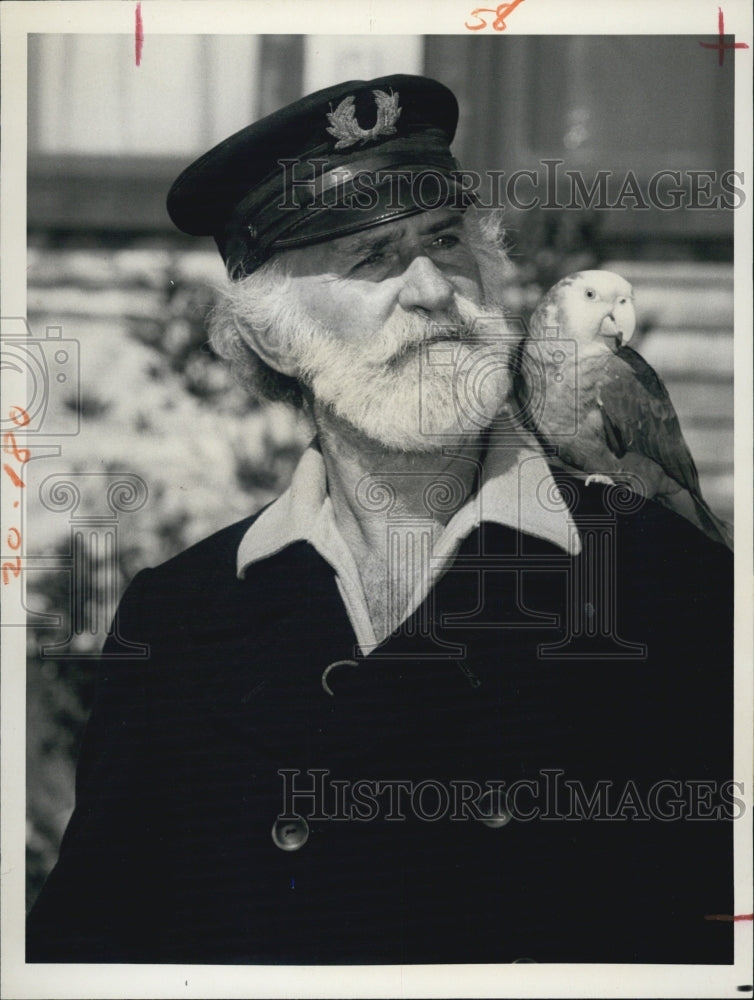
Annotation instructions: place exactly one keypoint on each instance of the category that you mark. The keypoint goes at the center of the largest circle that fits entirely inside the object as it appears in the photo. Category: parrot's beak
(622, 337)
(621, 332)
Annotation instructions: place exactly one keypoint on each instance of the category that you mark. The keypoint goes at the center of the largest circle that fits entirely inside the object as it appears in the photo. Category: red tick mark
(138, 35)
(728, 917)
(721, 46)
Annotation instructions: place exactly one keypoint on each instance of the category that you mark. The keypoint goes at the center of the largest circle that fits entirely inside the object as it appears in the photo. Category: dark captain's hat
(341, 160)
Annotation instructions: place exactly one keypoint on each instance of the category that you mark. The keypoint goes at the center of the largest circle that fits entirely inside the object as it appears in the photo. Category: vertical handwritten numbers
(12, 567)
(10, 447)
(19, 416)
(14, 478)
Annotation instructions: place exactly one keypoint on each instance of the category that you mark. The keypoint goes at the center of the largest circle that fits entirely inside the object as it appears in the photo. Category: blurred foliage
(59, 695)
(208, 453)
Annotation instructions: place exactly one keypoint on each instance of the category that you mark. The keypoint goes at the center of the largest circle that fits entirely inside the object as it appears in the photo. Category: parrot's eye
(590, 293)
(622, 302)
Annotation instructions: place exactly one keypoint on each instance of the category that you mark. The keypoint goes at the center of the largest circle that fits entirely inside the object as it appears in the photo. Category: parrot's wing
(639, 416)
(615, 440)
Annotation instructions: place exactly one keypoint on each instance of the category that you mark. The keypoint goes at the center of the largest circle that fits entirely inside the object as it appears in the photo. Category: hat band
(350, 196)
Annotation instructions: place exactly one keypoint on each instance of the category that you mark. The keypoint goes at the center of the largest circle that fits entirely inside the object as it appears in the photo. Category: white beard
(406, 389)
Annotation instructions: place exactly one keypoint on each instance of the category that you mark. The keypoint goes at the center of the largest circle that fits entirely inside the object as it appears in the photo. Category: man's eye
(446, 242)
(370, 260)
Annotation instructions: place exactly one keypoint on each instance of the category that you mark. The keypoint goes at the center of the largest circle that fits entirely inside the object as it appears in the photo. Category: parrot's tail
(696, 510)
(713, 525)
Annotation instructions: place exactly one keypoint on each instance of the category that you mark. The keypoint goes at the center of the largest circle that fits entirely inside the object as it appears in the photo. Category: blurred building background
(108, 272)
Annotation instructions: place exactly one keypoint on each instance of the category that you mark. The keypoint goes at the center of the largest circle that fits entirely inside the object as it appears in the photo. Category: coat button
(493, 809)
(290, 834)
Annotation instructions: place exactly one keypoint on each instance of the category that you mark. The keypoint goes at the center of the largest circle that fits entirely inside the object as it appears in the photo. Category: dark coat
(169, 855)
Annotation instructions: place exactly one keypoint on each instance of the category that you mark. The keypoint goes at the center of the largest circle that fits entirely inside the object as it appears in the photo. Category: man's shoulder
(216, 552)
(190, 579)
(649, 540)
(203, 578)
(191, 586)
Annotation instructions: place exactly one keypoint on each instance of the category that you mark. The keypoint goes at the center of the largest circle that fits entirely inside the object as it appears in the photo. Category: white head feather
(588, 306)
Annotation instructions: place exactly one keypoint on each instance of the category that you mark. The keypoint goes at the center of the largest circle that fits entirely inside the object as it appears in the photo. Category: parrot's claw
(598, 478)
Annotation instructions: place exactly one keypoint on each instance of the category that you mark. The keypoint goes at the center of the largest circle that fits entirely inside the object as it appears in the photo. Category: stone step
(103, 269)
(700, 402)
(675, 273)
(702, 355)
(108, 269)
(678, 295)
(690, 308)
(712, 448)
(113, 302)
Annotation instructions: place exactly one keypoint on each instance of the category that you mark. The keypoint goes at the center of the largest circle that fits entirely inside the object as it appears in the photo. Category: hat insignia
(346, 129)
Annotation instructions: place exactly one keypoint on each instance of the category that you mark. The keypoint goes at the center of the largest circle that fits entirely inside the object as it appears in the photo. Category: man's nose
(425, 288)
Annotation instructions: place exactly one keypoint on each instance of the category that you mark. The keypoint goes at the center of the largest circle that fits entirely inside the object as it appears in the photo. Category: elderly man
(430, 705)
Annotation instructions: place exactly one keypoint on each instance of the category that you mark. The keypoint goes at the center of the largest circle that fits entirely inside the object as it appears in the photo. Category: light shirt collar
(518, 491)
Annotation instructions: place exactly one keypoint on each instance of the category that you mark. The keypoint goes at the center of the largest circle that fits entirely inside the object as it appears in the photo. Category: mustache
(396, 344)
(406, 333)
(432, 335)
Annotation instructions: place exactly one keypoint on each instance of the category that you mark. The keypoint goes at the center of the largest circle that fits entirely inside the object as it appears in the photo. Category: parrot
(580, 388)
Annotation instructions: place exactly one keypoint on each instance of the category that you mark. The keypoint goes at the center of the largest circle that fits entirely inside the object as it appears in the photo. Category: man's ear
(270, 349)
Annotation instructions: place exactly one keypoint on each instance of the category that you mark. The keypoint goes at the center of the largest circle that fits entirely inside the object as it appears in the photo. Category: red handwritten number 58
(500, 12)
